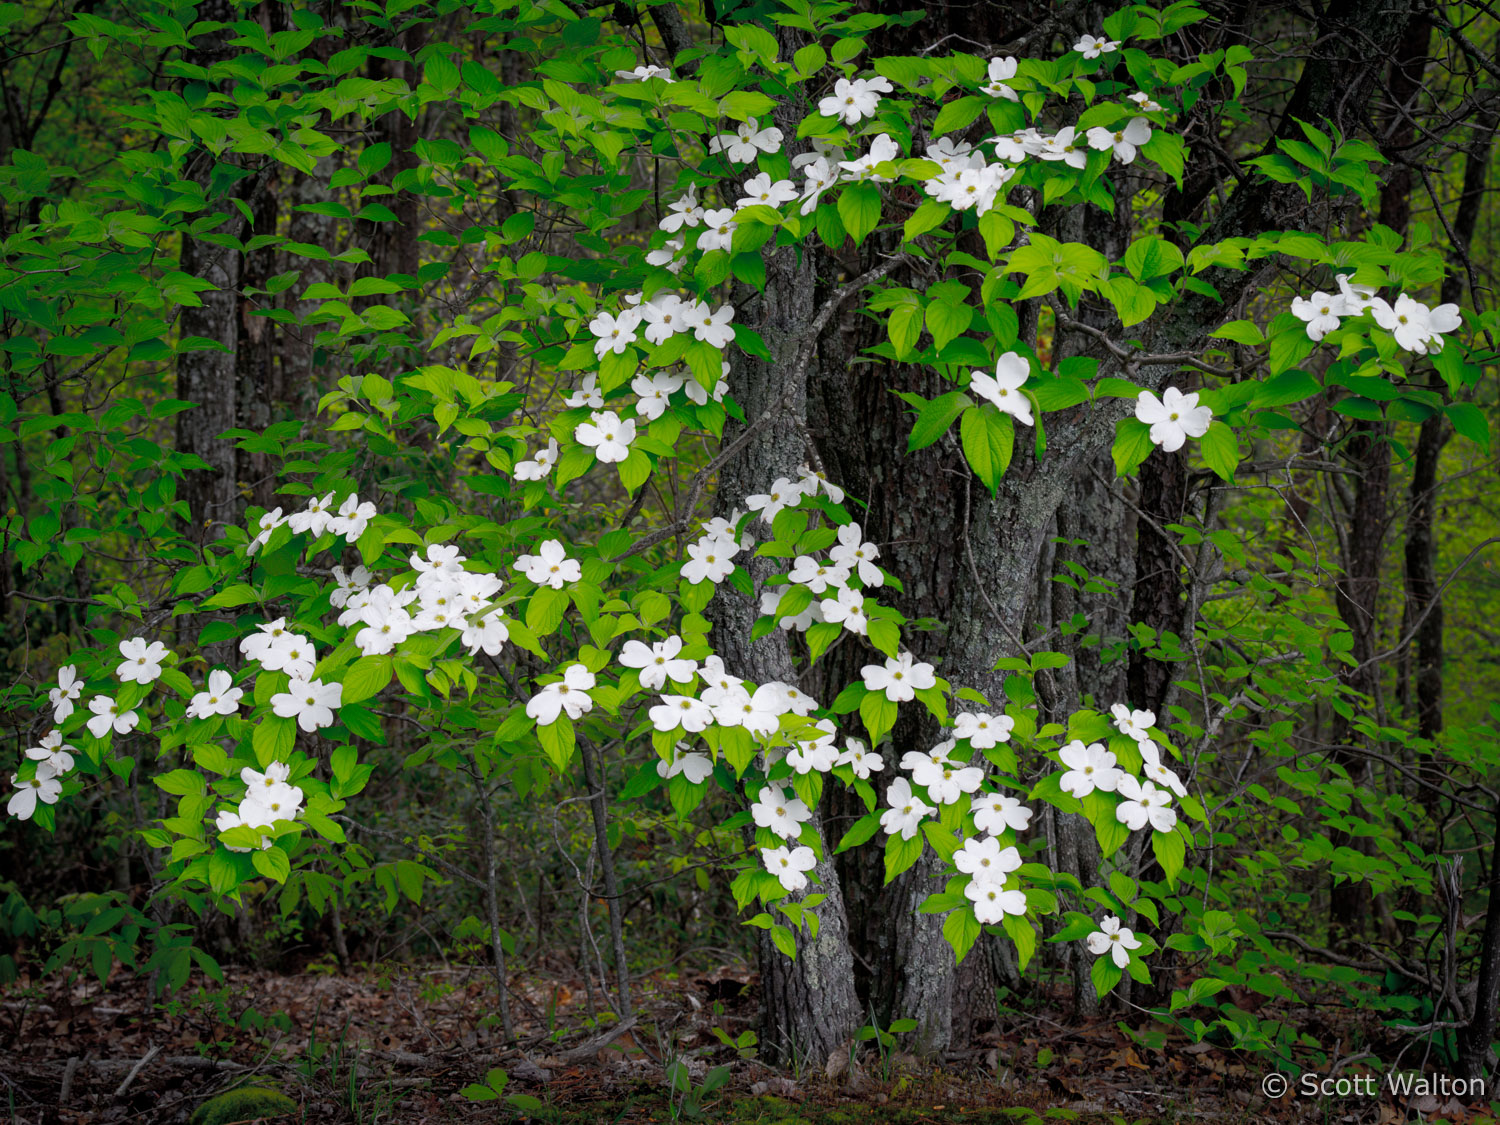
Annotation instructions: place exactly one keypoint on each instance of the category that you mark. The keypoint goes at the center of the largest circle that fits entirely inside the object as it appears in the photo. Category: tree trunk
(808, 1006)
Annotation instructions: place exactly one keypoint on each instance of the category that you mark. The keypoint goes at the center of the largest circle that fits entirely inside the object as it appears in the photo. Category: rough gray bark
(808, 1006)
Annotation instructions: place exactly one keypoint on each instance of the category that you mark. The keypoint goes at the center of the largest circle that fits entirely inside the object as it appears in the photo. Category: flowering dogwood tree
(669, 537)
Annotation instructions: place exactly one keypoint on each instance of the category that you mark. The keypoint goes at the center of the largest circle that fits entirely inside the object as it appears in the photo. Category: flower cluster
(1416, 327)
(269, 797)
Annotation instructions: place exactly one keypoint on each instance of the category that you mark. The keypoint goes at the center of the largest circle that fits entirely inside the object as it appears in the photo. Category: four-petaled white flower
(1173, 419)
(780, 813)
(570, 695)
(1144, 102)
(748, 139)
(267, 523)
(550, 566)
(664, 317)
(1001, 71)
(347, 585)
(907, 810)
(847, 609)
(782, 494)
(655, 393)
(710, 559)
(1137, 724)
(762, 191)
(718, 230)
(1144, 804)
(614, 333)
(685, 212)
(1067, 146)
(488, 633)
(714, 327)
(1089, 767)
(995, 812)
(692, 715)
(1003, 388)
(1113, 939)
(45, 786)
(992, 902)
(68, 688)
(353, 518)
(642, 73)
(853, 100)
(1321, 311)
(1124, 139)
(900, 678)
(53, 752)
(1416, 327)
(858, 757)
(816, 754)
(658, 663)
(982, 730)
(311, 702)
(821, 175)
(759, 713)
(946, 782)
(108, 716)
(695, 767)
(817, 576)
(540, 465)
(316, 518)
(790, 865)
(609, 437)
(1158, 771)
(587, 394)
(986, 860)
(1092, 46)
(1357, 298)
(852, 551)
(220, 697)
(142, 663)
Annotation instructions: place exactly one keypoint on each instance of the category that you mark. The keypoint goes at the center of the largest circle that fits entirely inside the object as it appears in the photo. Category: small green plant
(884, 1040)
(493, 1089)
(690, 1102)
(744, 1044)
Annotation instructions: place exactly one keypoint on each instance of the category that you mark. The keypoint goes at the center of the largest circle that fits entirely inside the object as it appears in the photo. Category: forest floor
(400, 1046)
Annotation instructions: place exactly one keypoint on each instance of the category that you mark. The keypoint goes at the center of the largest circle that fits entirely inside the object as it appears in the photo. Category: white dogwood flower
(609, 437)
(1144, 804)
(68, 688)
(906, 811)
(900, 678)
(986, 860)
(1003, 388)
(995, 812)
(142, 663)
(1089, 767)
(569, 695)
(539, 465)
(550, 566)
(790, 865)
(311, 702)
(220, 697)
(782, 814)
(658, 663)
(1173, 419)
(1114, 939)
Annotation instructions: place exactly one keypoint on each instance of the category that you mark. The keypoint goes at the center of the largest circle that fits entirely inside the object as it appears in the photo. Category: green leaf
(557, 741)
(930, 215)
(1132, 445)
(962, 930)
(273, 863)
(367, 677)
(861, 831)
(544, 613)
(935, 418)
(947, 320)
(988, 438)
(1469, 421)
(273, 739)
(859, 209)
(181, 782)
(1221, 450)
(901, 853)
(1105, 974)
(1170, 853)
(878, 713)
